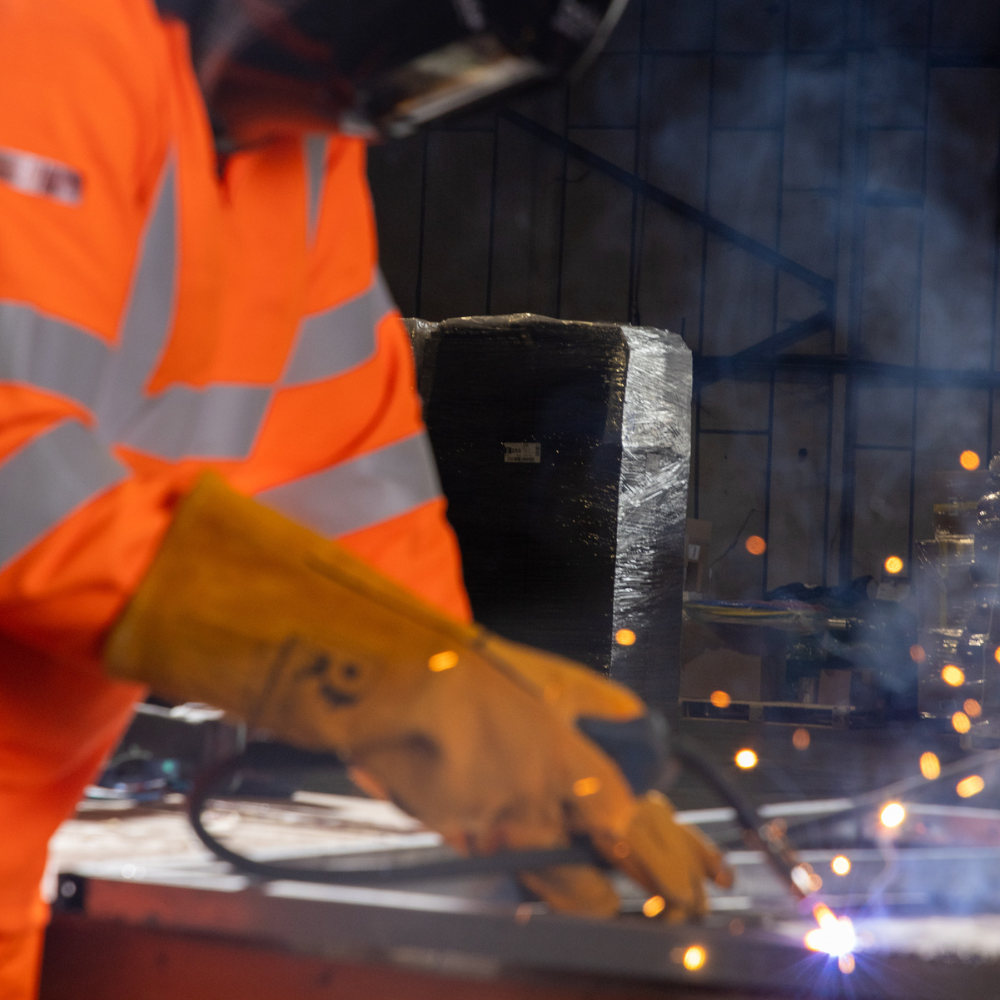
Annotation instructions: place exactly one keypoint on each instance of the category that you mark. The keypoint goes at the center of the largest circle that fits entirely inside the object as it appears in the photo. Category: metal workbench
(477, 937)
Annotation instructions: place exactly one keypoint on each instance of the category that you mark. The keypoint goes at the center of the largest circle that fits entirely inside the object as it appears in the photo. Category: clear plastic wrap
(564, 450)
(652, 508)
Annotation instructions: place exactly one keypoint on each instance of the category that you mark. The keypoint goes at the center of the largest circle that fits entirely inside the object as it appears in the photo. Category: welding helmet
(379, 67)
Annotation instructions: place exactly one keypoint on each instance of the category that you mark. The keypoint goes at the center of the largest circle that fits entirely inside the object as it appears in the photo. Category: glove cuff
(240, 599)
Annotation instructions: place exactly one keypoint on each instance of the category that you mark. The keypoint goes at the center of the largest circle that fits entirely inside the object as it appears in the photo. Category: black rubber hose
(694, 759)
(767, 837)
(274, 755)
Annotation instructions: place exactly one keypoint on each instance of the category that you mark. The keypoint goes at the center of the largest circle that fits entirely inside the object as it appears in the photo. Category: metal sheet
(394, 925)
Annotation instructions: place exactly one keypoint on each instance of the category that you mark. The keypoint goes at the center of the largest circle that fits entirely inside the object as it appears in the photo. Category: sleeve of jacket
(81, 153)
(377, 491)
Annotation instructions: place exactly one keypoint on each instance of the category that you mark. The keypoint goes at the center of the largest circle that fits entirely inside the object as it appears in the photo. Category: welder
(214, 478)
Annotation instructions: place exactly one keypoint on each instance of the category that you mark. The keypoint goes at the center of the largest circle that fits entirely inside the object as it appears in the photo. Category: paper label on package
(522, 451)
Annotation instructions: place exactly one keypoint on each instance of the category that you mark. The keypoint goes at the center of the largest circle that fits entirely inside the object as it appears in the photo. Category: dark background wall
(806, 190)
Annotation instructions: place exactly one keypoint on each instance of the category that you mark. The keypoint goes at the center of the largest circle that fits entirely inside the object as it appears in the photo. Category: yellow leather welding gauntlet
(481, 739)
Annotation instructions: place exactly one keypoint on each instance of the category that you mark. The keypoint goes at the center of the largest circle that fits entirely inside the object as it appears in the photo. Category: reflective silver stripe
(363, 491)
(315, 154)
(220, 421)
(147, 317)
(48, 478)
(48, 353)
(341, 338)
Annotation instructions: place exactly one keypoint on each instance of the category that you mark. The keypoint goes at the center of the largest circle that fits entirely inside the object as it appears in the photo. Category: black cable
(767, 837)
(732, 545)
(352, 871)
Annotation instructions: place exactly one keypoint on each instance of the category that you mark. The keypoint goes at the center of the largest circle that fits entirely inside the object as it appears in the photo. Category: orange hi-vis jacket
(161, 313)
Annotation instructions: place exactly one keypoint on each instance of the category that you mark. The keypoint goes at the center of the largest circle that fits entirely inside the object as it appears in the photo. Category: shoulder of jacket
(93, 80)
(126, 35)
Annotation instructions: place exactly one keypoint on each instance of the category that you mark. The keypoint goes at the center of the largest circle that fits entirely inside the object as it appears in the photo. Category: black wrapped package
(564, 450)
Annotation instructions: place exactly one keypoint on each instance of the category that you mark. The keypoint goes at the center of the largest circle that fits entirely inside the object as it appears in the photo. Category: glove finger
(664, 853)
(711, 857)
(579, 889)
(567, 687)
(666, 868)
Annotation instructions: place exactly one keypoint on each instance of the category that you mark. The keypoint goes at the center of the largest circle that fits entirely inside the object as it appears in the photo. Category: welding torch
(770, 838)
